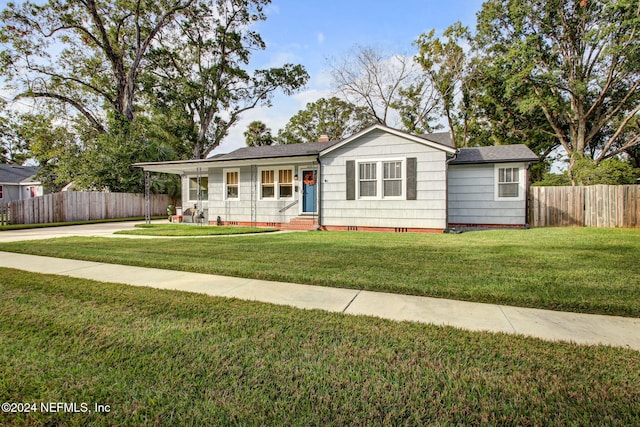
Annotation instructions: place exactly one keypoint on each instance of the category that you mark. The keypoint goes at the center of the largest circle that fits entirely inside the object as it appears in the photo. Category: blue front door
(309, 191)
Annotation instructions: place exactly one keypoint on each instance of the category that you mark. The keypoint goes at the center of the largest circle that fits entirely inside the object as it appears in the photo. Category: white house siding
(266, 211)
(428, 211)
(187, 203)
(472, 199)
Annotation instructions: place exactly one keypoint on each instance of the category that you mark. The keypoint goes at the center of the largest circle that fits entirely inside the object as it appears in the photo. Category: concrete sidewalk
(549, 325)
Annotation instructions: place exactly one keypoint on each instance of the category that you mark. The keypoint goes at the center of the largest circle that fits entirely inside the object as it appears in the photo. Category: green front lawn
(172, 358)
(190, 230)
(574, 269)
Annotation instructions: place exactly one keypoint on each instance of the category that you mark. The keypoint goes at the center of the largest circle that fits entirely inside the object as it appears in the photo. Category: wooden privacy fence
(5, 213)
(71, 206)
(592, 206)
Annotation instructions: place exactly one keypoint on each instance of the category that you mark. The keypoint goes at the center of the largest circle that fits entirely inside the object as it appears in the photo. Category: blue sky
(312, 32)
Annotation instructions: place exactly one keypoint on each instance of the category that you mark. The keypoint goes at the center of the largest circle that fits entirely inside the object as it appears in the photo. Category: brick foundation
(309, 224)
(511, 226)
(382, 229)
(247, 224)
(303, 224)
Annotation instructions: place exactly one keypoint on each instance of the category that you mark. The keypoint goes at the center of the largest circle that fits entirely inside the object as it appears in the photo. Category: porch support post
(147, 197)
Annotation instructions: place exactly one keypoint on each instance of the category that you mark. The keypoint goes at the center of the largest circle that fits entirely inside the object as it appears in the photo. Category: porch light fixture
(295, 177)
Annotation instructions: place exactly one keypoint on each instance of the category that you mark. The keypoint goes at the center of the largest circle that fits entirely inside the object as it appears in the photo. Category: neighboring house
(379, 179)
(19, 182)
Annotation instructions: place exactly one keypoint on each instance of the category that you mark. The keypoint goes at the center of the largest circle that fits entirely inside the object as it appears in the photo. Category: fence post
(4, 213)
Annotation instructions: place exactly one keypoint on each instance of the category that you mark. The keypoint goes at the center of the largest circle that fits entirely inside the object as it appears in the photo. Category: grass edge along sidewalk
(582, 270)
(189, 230)
(166, 357)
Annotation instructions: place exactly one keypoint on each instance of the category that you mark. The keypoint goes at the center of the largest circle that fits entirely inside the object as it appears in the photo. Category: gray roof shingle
(14, 174)
(495, 154)
(273, 151)
(442, 138)
(492, 154)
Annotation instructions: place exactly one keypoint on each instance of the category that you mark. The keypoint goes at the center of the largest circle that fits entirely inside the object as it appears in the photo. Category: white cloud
(310, 95)
(279, 59)
(320, 38)
(275, 117)
(322, 78)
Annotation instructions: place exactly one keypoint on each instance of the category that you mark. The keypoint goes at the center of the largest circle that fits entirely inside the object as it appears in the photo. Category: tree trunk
(577, 135)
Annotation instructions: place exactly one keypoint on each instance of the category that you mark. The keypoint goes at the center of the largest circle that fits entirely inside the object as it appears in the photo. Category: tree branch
(620, 129)
(96, 124)
(606, 119)
(72, 79)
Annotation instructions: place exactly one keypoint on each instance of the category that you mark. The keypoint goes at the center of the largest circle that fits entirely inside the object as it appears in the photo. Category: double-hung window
(276, 183)
(508, 183)
(194, 189)
(285, 183)
(232, 184)
(368, 179)
(381, 179)
(392, 179)
(268, 184)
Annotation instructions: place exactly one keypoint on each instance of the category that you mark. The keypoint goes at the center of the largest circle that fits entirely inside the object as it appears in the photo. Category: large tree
(13, 148)
(392, 88)
(333, 117)
(85, 54)
(76, 153)
(576, 62)
(449, 70)
(138, 80)
(200, 67)
(54, 147)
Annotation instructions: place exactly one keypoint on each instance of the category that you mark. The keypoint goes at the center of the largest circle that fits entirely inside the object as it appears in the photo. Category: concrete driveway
(90, 230)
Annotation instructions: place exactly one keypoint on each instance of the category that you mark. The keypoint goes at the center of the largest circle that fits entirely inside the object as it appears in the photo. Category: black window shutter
(412, 172)
(351, 180)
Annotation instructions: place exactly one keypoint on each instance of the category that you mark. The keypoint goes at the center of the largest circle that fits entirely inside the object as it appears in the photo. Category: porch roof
(275, 151)
(267, 154)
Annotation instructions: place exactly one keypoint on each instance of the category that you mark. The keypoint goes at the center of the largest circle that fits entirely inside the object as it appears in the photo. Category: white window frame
(195, 178)
(275, 173)
(521, 181)
(224, 178)
(403, 182)
(276, 182)
(359, 180)
(290, 184)
(380, 179)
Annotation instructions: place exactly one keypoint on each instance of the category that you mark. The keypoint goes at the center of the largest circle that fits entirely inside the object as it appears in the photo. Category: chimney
(324, 138)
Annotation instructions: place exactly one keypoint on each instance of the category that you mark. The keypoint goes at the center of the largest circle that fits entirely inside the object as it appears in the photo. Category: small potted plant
(171, 211)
